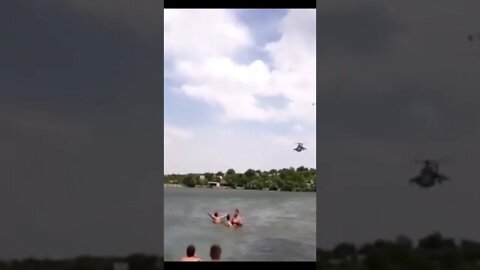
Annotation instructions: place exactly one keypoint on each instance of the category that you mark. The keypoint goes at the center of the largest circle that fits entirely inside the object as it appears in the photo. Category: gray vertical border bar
(317, 5)
(161, 122)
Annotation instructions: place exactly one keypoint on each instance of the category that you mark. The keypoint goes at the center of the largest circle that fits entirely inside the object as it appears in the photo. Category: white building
(214, 184)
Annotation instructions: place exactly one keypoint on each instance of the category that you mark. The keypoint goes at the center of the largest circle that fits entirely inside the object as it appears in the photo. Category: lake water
(278, 226)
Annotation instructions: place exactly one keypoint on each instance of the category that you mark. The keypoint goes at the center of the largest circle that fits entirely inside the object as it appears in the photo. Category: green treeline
(291, 179)
(134, 262)
(433, 252)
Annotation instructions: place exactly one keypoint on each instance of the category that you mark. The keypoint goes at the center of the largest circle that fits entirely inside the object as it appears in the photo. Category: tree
(273, 186)
(189, 181)
(250, 185)
(302, 169)
(287, 186)
(298, 181)
(344, 251)
(250, 173)
(259, 184)
(209, 176)
(470, 249)
(242, 180)
(450, 258)
(230, 180)
(431, 242)
(286, 179)
(203, 180)
(404, 241)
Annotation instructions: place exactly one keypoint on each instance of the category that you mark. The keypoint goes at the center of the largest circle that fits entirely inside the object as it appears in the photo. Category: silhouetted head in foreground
(191, 256)
(190, 251)
(215, 252)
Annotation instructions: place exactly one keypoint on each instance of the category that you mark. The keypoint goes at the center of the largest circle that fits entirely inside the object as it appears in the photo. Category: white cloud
(175, 134)
(202, 48)
(195, 35)
(204, 54)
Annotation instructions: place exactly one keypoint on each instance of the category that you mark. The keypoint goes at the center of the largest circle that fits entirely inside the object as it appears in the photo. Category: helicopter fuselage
(299, 147)
(428, 178)
(424, 181)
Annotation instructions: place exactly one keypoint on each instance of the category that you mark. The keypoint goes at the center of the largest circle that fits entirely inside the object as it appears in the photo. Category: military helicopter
(299, 147)
(429, 175)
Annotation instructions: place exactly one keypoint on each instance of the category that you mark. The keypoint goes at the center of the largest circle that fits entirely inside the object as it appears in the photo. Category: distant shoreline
(229, 188)
(291, 179)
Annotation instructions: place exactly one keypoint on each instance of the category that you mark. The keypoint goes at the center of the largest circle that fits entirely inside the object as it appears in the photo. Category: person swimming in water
(228, 221)
(237, 220)
(216, 218)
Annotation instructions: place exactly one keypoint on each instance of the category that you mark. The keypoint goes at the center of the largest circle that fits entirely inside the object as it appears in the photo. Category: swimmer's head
(228, 217)
(190, 251)
(215, 214)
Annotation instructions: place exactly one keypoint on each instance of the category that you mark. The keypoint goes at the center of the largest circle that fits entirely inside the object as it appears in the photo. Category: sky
(80, 128)
(397, 81)
(238, 89)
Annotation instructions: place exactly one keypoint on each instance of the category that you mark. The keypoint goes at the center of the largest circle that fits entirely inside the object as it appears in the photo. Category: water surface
(279, 226)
